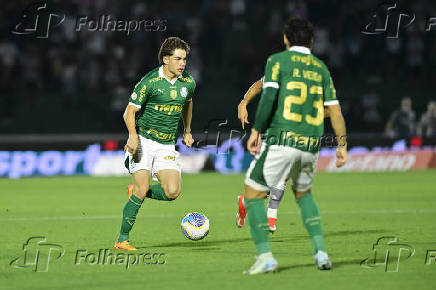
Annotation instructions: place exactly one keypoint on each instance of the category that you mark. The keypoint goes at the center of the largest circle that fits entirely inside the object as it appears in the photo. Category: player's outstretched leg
(312, 221)
(131, 208)
(256, 213)
(275, 197)
(130, 211)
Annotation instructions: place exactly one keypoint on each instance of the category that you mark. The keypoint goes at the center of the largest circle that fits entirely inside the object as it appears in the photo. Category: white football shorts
(152, 156)
(275, 164)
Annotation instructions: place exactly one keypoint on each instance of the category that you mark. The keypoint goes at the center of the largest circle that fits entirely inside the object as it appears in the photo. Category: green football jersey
(296, 87)
(161, 104)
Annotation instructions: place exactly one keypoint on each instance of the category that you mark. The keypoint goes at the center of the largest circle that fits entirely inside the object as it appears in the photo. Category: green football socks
(312, 221)
(129, 217)
(156, 192)
(258, 221)
(132, 207)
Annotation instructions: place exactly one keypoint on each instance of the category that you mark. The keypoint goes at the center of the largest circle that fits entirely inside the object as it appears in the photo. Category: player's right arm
(129, 119)
(252, 92)
(137, 99)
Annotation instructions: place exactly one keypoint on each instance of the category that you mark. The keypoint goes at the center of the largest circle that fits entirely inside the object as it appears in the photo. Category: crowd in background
(88, 73)
(403, 124)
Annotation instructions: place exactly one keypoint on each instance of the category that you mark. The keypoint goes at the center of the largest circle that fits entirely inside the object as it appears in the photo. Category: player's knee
(140, 190)
(172, 191)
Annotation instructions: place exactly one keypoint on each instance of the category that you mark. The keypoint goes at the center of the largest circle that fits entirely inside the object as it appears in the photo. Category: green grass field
(84, 213)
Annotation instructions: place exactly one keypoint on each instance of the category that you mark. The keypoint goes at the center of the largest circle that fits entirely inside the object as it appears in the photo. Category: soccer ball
(195, 226)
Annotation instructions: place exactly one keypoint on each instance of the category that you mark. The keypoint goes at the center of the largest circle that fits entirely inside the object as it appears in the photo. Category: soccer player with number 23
(296, 87)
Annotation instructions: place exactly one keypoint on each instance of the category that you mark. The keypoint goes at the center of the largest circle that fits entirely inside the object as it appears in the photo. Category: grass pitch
(83, 213)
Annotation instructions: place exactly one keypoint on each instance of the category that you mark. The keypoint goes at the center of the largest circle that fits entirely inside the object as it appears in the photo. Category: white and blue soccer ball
(195, 226)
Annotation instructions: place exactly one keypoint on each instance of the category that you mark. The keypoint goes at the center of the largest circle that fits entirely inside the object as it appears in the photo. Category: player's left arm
(252, 92)
(187, 118)
(264, 110)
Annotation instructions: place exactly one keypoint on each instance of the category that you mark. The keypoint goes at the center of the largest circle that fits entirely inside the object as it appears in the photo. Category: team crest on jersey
(184, 92)
(134, 96)
(173, 94)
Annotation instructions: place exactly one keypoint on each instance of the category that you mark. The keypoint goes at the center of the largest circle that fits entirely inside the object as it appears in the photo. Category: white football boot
(265, 263)
(322, 261)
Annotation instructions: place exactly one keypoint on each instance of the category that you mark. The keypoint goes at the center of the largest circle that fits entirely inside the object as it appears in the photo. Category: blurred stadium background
(62, 97)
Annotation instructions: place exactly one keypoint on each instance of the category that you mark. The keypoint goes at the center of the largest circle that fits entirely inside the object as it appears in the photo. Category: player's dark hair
(169, 45)
(299, 31)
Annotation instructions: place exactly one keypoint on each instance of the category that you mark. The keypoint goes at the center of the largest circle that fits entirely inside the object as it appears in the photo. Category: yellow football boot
(124, 245)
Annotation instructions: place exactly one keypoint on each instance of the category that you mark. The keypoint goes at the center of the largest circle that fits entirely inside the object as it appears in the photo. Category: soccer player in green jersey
(155, 106)
(296, 87)
(276, 193)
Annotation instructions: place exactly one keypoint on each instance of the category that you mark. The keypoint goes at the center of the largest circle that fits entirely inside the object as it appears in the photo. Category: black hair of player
(299, 31)
(169, 45)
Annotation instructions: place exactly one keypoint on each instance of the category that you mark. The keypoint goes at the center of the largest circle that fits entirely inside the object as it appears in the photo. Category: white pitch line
(382, 211)
(106, 217)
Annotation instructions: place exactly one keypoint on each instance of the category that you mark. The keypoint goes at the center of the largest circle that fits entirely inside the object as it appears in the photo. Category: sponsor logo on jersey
(160, 91)
(184, 92)
(134, 96)
(172, 158)
(154, 80)
(307, 60)
(275, 71)
(161, 135)
(169, 108)
(332, 87)
(188, 80)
